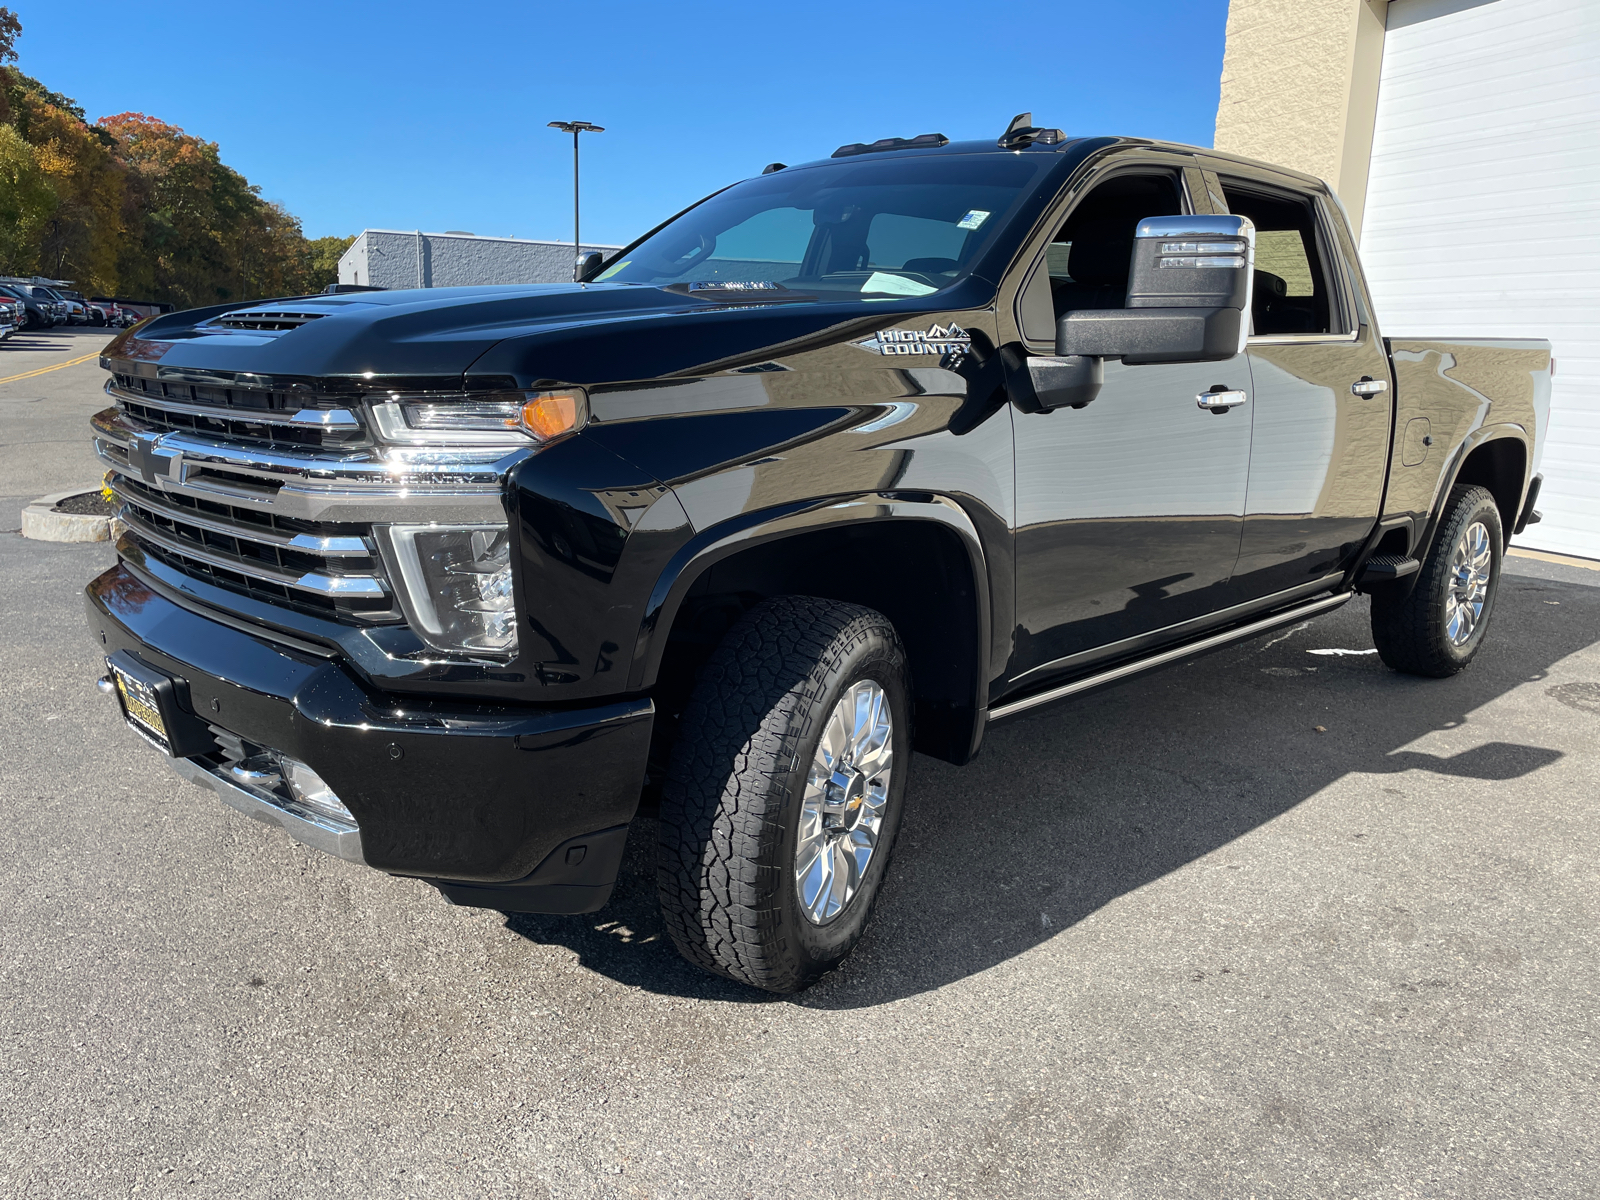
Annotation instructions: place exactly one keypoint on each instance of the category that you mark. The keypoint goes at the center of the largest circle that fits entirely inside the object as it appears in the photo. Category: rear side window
(1292, 290)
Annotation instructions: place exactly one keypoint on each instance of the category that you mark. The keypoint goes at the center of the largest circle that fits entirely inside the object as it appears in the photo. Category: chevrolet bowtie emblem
(146, 456)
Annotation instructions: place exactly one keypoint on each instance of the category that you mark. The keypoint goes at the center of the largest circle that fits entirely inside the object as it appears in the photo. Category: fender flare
(1479, 437)
(726, 538)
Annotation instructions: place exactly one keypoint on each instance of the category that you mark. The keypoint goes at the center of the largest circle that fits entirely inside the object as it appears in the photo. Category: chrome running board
(1239, 633)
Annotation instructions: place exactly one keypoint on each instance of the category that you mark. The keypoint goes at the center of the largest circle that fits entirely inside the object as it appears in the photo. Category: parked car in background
(118, 313)
(16, 312)
(8, 321)
(40, 311)
(77, 307)
(52, 299)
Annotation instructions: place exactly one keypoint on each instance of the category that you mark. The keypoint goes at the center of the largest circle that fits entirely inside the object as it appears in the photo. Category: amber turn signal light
(549, 414)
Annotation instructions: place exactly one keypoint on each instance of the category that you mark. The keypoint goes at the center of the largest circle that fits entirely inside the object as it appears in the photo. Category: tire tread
(754, 707)
(1409, 631)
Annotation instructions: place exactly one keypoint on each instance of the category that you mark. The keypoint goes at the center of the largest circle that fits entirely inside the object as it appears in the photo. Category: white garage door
(1483, 210)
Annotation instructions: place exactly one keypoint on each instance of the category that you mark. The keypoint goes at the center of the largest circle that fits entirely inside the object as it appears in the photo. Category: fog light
(307, 787)
(456, 585)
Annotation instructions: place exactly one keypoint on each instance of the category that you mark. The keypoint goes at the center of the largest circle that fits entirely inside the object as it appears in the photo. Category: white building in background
(392, 258)
(1464, 138)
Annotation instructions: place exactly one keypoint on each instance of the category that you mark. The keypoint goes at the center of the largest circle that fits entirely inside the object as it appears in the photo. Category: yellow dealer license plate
(140, 706)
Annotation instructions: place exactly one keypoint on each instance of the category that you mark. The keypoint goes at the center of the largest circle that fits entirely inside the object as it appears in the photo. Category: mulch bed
(86, 504)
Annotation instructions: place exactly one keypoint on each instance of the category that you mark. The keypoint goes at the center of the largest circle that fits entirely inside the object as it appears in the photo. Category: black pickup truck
(847, 460)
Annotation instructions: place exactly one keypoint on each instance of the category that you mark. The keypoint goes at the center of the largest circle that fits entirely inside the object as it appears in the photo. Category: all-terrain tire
(1411, 631)
(732, 801)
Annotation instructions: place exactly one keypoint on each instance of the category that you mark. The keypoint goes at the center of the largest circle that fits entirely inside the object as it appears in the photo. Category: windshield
(898, 227)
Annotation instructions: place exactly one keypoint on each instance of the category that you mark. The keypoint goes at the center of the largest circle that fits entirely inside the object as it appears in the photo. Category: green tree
(10, 31)
(324, 261)
(27, 203)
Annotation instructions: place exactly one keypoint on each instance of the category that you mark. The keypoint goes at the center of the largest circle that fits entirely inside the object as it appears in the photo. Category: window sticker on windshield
(610, 271)
(896, 285)
(973, 219)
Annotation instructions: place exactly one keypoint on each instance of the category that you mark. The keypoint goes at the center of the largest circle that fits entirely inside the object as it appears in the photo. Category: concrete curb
(42, 524)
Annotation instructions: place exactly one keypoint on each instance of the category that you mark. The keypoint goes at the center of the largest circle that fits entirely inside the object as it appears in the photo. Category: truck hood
(567, 333)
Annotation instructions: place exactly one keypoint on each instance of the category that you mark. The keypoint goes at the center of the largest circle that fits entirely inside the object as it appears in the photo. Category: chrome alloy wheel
(847, 790)
(1468, 588)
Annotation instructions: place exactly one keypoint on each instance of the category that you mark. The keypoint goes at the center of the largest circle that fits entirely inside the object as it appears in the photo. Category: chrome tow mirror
(1189, 294)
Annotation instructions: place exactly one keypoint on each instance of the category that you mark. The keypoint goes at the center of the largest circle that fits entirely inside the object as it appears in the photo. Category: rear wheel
(1438, 628)
(784, 795)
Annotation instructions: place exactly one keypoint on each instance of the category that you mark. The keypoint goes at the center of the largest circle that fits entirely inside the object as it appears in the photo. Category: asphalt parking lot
(1274, 922)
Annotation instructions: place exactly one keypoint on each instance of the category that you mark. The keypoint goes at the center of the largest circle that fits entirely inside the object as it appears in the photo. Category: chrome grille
(324, 568)
(288, 526)
(255, 416)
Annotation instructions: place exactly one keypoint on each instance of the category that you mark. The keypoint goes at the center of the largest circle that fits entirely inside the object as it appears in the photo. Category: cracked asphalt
(1170, 940)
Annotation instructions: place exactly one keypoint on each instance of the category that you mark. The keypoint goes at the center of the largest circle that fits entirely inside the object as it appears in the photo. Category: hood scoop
(273, 319)
(265, 321)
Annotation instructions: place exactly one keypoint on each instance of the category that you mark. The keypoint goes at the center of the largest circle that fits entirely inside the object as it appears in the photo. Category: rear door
(1320, 409)
(1129, 511)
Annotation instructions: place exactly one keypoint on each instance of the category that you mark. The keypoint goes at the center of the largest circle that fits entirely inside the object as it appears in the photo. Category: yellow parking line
(44, 370)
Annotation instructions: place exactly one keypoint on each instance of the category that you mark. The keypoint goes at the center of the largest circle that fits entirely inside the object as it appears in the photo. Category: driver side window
(1087, 262)
(1089, 257)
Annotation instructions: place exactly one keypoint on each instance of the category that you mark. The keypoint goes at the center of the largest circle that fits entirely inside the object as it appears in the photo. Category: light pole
(575, 128)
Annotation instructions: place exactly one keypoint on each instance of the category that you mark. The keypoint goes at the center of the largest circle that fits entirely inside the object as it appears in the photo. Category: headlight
(508, 419)
(455, 585)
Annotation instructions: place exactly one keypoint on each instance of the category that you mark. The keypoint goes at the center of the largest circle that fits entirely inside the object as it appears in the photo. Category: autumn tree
(134, 206)
(80, 237)
(205, 234)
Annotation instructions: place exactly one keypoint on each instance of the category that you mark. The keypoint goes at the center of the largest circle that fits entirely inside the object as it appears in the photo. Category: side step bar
(1386, 568)
(1239, 633)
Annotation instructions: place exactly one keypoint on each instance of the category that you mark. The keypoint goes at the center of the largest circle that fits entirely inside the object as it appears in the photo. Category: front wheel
(784, 794)
(1439, 627)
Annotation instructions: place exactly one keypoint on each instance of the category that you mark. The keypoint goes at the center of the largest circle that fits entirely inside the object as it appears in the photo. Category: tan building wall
(1300, 88)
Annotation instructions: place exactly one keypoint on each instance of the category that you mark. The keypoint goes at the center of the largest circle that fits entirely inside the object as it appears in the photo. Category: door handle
(1368, 386)
(1221, 401)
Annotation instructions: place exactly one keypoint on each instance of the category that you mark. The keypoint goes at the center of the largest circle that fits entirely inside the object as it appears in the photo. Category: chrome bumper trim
(318, 832)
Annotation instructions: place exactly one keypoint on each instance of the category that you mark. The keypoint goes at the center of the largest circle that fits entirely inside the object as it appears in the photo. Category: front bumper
(489, 801)
(311, 829)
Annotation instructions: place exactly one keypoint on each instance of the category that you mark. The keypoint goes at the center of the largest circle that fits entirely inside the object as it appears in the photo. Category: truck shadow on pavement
(1065, 811)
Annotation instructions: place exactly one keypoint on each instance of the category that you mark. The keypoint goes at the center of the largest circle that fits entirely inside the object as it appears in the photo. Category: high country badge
(937, 340)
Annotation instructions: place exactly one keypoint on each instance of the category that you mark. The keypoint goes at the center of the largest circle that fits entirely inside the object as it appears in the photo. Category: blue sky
(403, 115)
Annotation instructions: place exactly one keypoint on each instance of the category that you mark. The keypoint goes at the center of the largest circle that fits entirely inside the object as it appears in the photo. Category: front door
(1129, 511)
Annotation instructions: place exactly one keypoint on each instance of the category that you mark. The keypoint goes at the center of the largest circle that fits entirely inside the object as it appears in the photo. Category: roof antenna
(1021, 132)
